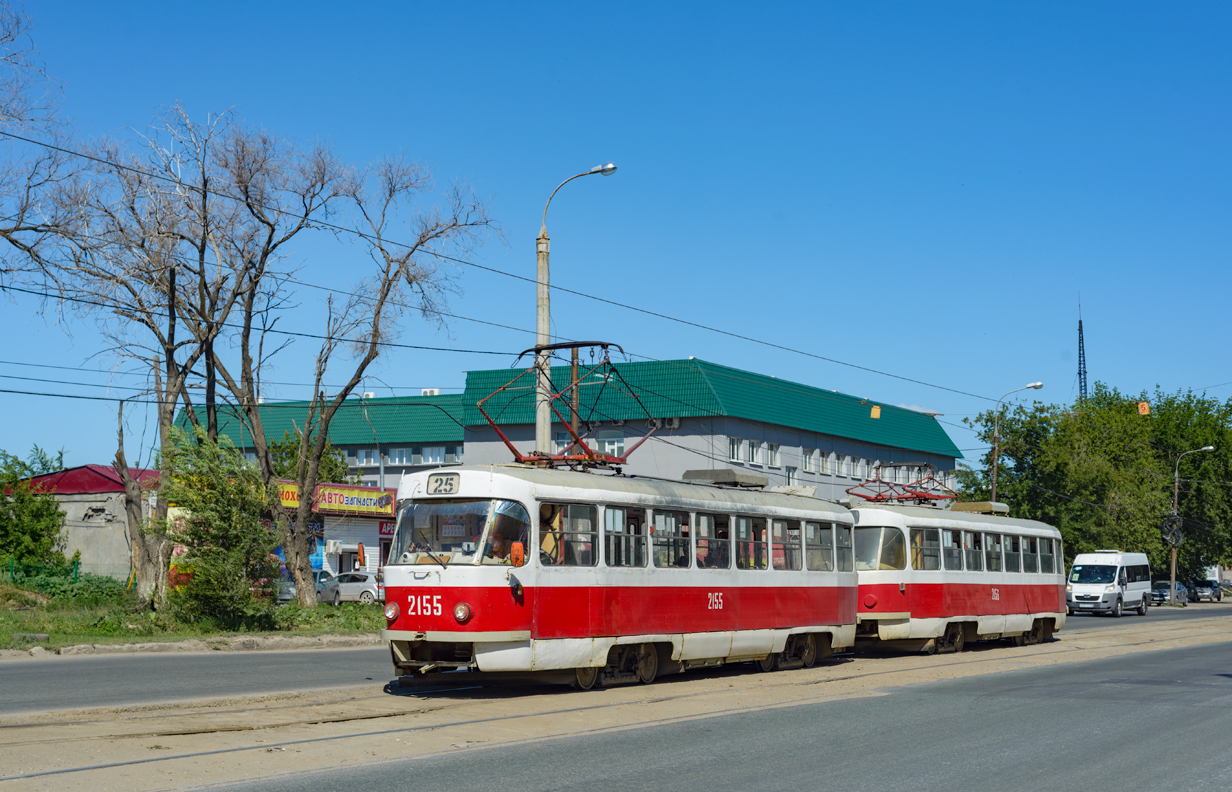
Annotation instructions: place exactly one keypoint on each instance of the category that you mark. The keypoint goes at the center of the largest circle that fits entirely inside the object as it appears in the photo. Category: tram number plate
(714, 600)
(423, 605)
(443, 484)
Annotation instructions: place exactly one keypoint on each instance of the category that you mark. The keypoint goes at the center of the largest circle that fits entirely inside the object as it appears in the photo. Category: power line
(429, 251)
(232, 325)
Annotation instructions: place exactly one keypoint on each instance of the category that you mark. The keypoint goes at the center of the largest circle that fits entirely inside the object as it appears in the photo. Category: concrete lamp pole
(543, 322)
(1176, 496)
(996, 434)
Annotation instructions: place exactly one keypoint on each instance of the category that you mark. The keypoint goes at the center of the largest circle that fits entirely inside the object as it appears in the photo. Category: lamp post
(543, 317)
(996, 434)
(1176, 494)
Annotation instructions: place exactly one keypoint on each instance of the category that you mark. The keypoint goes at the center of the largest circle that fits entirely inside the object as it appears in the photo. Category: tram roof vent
(982, 507)
(726, 477)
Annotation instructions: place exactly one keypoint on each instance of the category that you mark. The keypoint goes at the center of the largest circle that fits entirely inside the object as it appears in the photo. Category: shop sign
(386, 528)
(358, 501)
(288, 494)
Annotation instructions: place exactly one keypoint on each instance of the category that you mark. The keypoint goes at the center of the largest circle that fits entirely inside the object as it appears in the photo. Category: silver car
(352, 587)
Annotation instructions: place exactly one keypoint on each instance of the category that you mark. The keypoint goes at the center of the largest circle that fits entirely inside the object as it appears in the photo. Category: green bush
(88, 589)
(346, 617)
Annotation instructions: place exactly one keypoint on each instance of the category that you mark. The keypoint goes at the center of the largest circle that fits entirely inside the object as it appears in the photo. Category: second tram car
(603, 578)
(935, 579)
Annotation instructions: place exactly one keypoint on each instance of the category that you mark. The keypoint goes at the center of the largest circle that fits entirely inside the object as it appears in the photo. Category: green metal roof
(399, 419)
(696, 388)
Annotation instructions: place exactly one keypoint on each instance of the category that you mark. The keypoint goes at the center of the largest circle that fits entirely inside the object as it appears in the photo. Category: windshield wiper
(428, 550)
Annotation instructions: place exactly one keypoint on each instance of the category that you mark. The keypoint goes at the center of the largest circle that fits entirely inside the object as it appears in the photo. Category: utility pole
(1082, 359)
(543, 328)
(1174, 538)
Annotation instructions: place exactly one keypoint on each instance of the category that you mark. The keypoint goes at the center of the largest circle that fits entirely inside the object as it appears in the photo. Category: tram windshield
(1087, 573)
(880, 548)
(463, 531)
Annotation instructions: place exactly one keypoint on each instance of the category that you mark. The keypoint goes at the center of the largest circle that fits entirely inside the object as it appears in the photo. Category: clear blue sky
(919, 189)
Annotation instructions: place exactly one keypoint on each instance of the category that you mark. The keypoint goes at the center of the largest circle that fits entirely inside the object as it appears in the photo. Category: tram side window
(671, 539)
(844, 558)
(1013, 548)
(951, 549)
(925, 549)
(568, 535)
(625, 530)
(750, 543)
(785, 544)
(819, 547)
(975, 550)
(713, 542)
(992, 552)
(1030, 554)
(1046, 557)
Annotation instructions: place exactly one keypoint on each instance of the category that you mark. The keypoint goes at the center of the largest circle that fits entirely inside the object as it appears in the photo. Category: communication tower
(1082, 359)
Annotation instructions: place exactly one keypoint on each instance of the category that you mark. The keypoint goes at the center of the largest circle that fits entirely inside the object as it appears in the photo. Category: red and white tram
(934, 579)
(610, 578)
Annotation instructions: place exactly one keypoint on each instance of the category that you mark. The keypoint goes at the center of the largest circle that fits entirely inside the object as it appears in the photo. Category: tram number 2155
(423, 605)
(714, 600)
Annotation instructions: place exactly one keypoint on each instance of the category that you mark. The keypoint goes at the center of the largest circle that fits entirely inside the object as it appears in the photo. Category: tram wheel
(1033, 637)
(769, 662)
(647, 663)
(960, 637)
(808, 650)
(1020, 640)
(586, 678)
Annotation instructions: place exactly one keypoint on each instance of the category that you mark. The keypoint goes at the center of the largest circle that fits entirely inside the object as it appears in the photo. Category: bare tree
(31, 175)
(403, 276)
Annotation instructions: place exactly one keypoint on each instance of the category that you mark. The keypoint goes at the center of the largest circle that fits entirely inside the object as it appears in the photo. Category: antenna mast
(1082, 358)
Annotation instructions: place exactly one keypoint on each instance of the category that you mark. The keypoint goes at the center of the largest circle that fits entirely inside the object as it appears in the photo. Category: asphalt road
(1149, 721)
(114, 680)
(1194, 610)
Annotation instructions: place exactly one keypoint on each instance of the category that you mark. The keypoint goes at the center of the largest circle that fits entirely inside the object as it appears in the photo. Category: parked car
(1159, 593)
(1205, 589)
(286, 588)
(352, 587)
(320, 577)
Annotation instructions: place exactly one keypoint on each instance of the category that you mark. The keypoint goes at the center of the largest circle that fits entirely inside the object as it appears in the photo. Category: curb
(238, 643)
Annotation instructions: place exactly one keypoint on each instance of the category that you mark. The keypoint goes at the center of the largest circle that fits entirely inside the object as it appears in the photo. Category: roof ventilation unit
(430, 392)
(727, 477)
(368, 395)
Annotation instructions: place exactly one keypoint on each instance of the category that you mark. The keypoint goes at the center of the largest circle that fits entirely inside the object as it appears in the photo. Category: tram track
(759, 685)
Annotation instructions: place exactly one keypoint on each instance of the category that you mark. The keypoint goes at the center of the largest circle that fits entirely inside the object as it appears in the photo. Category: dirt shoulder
(200, 744)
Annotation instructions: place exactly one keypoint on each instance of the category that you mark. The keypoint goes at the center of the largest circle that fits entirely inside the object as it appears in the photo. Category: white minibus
(1109, 581)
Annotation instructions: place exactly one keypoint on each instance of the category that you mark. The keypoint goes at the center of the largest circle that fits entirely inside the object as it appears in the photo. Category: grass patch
(99, 611)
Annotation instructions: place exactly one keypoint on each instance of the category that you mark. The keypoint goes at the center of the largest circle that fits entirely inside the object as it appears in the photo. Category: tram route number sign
(443, 484)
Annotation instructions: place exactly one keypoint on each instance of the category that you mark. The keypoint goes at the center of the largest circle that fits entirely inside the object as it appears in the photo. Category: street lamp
(543, 316)
(996, 434)
(1176, 494)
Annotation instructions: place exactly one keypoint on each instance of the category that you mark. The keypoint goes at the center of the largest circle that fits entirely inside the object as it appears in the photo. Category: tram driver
(509, 524)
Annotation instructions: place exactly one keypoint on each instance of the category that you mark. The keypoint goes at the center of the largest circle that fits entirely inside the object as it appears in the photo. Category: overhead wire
(437, 254)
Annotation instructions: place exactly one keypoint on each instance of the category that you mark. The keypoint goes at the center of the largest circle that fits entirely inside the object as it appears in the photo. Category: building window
(791, 476)
(752, 452)
(611, 442)
(367, 456)
(733, 448)
(772, 454)
(399, 456)
(561, 441)
(807, 457)
(434, 455)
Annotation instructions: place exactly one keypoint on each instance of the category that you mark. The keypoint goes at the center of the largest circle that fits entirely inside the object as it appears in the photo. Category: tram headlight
(391, 611)
(462, 613)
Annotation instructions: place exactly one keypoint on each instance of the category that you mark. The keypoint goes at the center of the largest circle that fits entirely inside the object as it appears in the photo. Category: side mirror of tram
(517, 554)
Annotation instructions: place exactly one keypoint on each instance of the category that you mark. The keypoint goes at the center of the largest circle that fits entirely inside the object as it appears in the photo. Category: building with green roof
(710, 416)
(713, 416)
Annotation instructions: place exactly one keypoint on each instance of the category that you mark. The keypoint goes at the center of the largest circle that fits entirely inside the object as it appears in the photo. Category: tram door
(568, 548)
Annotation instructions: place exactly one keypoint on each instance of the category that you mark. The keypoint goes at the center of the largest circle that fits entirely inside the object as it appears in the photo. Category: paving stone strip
(238, 643)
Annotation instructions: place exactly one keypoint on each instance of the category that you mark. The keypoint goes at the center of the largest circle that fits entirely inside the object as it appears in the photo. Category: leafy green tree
(31, 523)
(228, 550)
(1103, 473)
(285, 454)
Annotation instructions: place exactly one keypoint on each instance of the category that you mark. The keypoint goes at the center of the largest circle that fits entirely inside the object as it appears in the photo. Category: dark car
(1205, 589)
(1159, 593)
